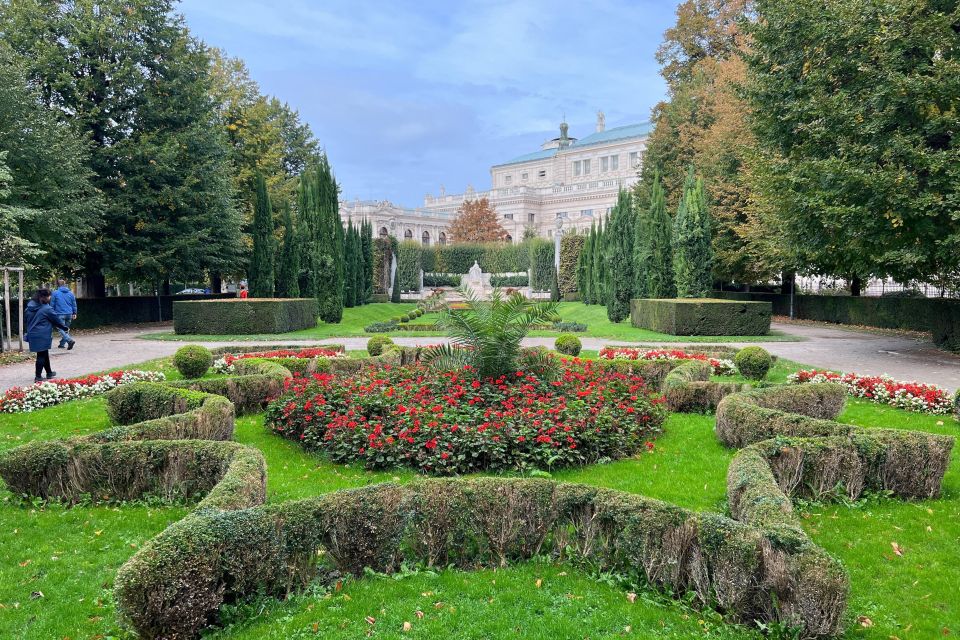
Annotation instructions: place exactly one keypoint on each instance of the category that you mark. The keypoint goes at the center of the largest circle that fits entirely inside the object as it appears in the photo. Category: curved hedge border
(688, 388)
(760, 565)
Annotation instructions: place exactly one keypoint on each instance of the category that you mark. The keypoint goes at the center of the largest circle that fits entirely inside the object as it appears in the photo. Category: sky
(408, 96)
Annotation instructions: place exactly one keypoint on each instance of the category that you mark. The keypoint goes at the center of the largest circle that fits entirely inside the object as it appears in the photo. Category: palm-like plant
(487, 334)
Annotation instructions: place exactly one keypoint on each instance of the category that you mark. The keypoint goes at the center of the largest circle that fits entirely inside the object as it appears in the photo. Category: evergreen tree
(643, 239)
(584, 265)
(702, 247)
(660, 274)
(289, 269)
(360, 269)
(349, 267)
(367, 242)
(619, 258)
(683, 240)
(555, 287)
(395, 289)
(599, 270)
(322, 269)
(260, 275)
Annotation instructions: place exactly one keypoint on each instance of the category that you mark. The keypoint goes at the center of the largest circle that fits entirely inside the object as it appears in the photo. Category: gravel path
(826, 347)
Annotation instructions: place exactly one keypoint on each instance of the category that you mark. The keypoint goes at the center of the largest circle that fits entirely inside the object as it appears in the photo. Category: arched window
(508, 239)
(425, 239)
(383, 232)
(442, 240)
(408, 235)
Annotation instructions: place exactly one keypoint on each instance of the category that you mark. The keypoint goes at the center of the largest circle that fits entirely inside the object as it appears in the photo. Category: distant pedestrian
(64, 304)
(244, 294)
(40, 320)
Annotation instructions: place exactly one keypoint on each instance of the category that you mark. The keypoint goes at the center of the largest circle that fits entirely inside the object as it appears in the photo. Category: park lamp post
(556, 242)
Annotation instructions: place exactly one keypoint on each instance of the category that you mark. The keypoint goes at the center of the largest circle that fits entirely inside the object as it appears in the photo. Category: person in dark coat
(40, 320)
(64, 304)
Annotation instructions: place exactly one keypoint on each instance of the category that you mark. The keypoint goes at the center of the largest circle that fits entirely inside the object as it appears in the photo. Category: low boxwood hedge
(244, 316)
(701, 317)
(688, 388)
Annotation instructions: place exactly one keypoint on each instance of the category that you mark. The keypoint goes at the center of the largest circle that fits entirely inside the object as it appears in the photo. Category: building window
(609, 210)
(634, 158)
(604, 164)
(576, 167)
(586, 213)
(383, 232)
(408, 235)
(508, 216)
(442, 239)
(524, 176)
(542, 173)
(614, 163)
(562, 214)
(508, 239)
(531, 218)
(508, 179)
(425, 238)
(586, 167)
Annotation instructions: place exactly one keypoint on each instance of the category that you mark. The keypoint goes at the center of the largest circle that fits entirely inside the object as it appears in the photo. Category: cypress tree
(584, 263)
(702, 247)
(620, 281)
(395, 290)
(599, 272)
(660, 272)
(322, 270)
(288, 272)
(367, 242)
(684, 240)
(359, 278)
(642, 241)
(555, 287)
(349, 264)
(262, 260)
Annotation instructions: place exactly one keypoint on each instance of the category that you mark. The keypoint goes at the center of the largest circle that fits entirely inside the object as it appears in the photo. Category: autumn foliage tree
(476, 221)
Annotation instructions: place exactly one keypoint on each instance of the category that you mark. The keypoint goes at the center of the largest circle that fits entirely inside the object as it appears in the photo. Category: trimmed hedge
(409, 265)
(753, 362)
(240, 317)
(571, 244)
(701, 317)
(688, 389)
(802, 410)
(256, 380)
(541, 264)
(175, 585)
(440, 280)
(510, 281)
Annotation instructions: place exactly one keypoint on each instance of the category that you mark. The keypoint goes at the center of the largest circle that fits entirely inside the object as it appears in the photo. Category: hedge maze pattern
(756, 565)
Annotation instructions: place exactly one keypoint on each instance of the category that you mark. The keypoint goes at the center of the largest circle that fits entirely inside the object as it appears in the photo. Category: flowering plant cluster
(912, 396)
(447, 422)
(51, 392)
(721, 366)
(225, 364)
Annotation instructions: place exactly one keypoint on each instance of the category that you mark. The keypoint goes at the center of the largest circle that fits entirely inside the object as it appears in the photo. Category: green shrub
(688, 389)
(753, 362)
(571, 244)
(701, 317)
(409, 264)
(568, 344)
(193, 361)
(510, 281)
(376, 344)
(569, 327)
(541, 265)
(381, 327)
(440, 280)
(244, 316)
(404, 318)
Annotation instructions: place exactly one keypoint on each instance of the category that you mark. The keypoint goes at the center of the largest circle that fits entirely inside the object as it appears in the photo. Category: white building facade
(568, 184)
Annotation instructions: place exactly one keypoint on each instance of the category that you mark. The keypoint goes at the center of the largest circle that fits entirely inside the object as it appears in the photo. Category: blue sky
(406, 96)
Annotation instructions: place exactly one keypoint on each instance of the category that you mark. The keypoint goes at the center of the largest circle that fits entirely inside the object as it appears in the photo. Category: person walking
(64, 304)
(40, 321)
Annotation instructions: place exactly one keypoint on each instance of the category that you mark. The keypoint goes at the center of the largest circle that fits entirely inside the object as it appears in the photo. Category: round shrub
(753, 362)
(192, 361)
(412, 315)
(404, 319)
(568, 344)
(376, 344)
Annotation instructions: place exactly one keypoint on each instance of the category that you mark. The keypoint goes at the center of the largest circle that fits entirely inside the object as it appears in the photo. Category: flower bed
(912, 396)
(225, 364)
(51, 392)
(452, 422)
(721, 366)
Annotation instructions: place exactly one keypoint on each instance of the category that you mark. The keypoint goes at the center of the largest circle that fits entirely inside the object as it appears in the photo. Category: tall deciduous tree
(619, 258)
(288, 271)
(477, 221)
(261, 271)
(48, 174)
(855, 110)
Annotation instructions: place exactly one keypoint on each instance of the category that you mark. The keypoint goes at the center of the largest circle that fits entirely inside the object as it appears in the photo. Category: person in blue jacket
(40, 321)
(64, 304)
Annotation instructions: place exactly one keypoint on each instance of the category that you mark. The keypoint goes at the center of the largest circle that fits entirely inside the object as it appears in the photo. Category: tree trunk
(216, 282)
(95, 285)
(856, 284)
(789, 282)
(166, 287)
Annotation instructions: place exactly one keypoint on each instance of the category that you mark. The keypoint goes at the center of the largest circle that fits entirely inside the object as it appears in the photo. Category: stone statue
(601, 121)
(476, 273)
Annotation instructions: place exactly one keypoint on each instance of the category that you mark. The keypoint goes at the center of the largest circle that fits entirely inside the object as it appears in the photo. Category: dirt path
(825, 347)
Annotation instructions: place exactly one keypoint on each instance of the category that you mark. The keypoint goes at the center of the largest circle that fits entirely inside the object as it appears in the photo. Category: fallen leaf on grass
(419, 614)
(407, 626)
(632, 597)
(896, 548)
(865, 622)
(370, 620)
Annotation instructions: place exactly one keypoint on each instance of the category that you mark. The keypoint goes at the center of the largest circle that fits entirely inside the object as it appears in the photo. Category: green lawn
(356, 318)
(71, 555)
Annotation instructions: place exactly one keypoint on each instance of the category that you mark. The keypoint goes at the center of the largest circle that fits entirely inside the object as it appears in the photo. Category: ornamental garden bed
(701, 316)
(244, 316)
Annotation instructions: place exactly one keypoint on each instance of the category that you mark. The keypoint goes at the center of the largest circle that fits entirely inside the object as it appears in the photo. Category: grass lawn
(71, 555)
(356, 318)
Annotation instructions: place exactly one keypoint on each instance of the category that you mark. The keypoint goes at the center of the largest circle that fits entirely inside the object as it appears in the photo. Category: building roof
(610, 135)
